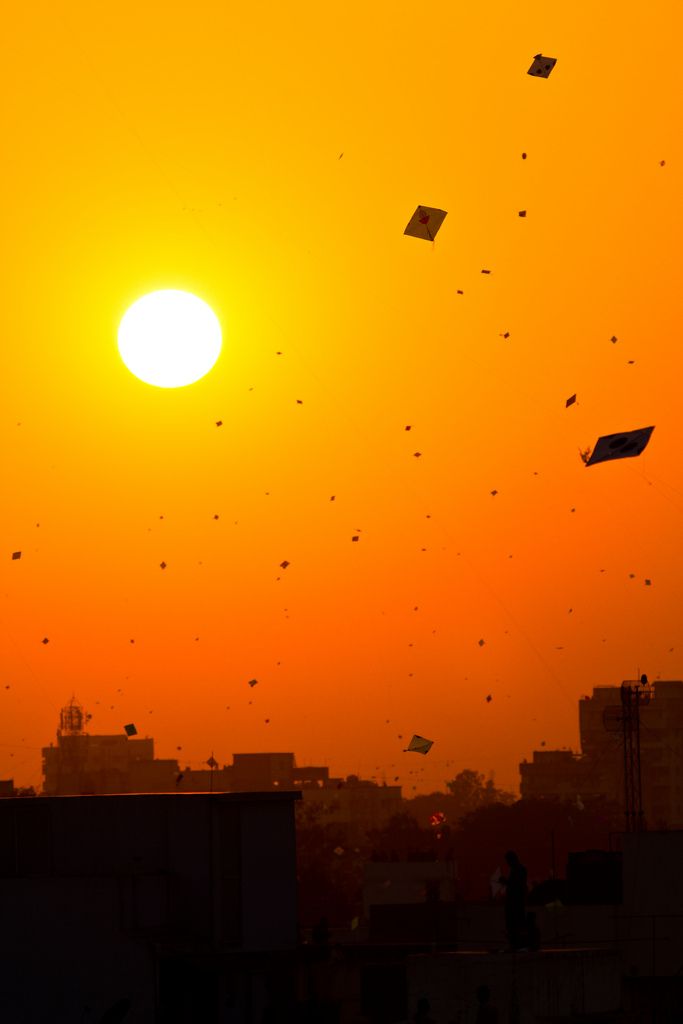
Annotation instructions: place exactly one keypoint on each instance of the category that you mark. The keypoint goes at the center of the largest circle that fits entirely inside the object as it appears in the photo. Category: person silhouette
(515, 896)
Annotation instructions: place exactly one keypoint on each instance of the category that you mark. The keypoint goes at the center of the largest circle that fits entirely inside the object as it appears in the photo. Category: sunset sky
(267, 158)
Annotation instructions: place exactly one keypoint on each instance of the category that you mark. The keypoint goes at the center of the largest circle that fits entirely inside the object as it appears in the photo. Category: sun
(169, 338)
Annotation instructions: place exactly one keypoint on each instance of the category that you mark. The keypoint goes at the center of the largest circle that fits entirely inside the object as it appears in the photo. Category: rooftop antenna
(634, 695)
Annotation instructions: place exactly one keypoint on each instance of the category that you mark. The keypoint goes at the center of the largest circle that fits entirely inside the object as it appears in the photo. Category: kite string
(658, 488)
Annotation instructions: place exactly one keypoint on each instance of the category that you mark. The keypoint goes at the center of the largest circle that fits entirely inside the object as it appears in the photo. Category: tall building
(599, 768)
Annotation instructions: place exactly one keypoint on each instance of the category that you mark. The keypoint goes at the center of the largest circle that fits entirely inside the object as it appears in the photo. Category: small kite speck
(253, 682)
(614, 339)
(16, 555)
(522, 213)
(283, 565)
(162, 565)
(417, 455)
(570, 401)
(481, 642)
(489, 698)
(494, 493)
(219, 423)
(354, 538)
(45, 640)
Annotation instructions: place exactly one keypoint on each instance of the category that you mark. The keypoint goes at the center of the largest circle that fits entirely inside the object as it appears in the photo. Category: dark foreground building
(154, 909)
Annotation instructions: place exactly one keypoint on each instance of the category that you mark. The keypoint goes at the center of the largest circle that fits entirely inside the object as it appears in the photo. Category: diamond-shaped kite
(420, 745)
(542, 66)
(130, 730)
(425, 222)
(620, 446)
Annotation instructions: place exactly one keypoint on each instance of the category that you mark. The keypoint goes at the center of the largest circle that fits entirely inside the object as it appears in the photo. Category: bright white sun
(169, 338)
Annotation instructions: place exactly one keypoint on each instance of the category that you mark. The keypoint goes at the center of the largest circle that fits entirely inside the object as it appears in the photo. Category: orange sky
(166, 146)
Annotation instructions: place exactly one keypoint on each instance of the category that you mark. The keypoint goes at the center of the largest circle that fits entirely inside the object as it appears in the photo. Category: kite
(253, 682)
(570, 401)
(16, 555)
(542, 66)
(620, 446)
(420, 745)
(130, 730)
(425, 222)
(212, 762)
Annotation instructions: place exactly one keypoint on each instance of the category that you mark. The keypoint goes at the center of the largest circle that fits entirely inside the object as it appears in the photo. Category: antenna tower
(634, 695)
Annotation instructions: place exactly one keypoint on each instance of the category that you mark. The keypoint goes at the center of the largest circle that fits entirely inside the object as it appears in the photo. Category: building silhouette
(176, 908)
(599, 769)
(83, 764)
